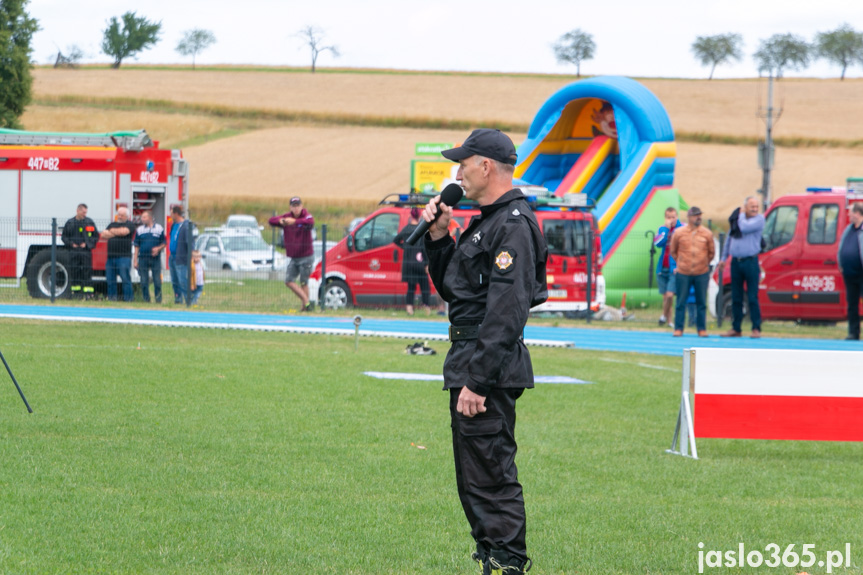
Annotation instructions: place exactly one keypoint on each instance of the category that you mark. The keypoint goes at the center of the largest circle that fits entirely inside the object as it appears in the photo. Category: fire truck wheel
(39, 275)
(723, 303)
(337, 295)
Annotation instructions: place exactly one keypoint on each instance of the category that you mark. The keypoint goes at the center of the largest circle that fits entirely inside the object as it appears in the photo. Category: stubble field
(228, 123)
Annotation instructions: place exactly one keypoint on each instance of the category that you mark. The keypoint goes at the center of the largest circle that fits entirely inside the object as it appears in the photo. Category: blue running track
(604, 339)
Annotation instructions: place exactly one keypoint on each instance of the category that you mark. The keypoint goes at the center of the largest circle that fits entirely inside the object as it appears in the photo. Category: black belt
(463, 332)
(744, 259)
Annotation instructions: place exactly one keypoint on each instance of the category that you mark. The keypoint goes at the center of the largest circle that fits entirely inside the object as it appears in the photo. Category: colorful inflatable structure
(611, 139)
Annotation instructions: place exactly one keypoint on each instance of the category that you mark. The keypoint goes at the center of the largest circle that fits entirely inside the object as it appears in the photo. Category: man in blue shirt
(147, 257)
(178, 262)
(850, 259)
(743, 246)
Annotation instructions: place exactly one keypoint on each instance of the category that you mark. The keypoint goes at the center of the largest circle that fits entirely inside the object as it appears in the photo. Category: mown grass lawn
(209, 451)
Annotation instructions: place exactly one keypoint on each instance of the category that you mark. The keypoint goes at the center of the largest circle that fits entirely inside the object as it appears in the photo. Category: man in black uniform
(80, 236)
(491, 278)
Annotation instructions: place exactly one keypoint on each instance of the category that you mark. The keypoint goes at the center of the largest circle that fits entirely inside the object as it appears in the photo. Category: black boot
(502, 563)
(481, 557)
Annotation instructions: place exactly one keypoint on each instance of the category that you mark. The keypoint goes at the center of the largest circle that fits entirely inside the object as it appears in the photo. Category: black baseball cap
(484, 142)
(296, 201)
(694, 211)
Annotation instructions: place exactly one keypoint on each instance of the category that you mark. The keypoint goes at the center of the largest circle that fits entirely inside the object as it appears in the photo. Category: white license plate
(557, 293)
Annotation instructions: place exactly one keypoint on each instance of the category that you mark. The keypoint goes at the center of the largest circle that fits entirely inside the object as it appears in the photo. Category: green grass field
(210, 451)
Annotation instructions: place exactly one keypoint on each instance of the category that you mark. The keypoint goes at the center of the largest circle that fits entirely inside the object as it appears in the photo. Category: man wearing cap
(743, 246)
(491, 277)
(297, 226)
(692, 248)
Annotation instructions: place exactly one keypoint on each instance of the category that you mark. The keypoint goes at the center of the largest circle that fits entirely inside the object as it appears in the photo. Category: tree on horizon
(718, 49)
(195, 41)
(574, 47)
(313, 37)
(136, 34)
(842, 46)
(781, 52)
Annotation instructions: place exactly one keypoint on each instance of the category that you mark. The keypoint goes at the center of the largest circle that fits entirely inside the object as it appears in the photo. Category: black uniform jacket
(491, 278)
(80, 232)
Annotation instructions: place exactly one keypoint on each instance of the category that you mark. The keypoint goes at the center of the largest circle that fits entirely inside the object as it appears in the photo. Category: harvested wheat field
(319, 162)
(362, 164)
(323, 163)
(169, 129)
(718, 178)
(826, 109)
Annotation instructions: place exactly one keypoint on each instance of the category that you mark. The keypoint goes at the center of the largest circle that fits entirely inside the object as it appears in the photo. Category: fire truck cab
(800, 277)
(364, 268)
(46, 175)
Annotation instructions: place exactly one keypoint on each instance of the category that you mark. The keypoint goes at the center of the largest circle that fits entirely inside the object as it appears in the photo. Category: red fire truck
(800, 278)
(364, 268)
(46, 175)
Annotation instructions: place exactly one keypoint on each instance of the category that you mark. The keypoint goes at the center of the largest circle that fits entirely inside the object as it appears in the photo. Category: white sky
(633, 37)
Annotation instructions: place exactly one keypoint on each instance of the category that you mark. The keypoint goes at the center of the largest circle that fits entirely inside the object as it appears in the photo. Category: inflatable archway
(611, 139)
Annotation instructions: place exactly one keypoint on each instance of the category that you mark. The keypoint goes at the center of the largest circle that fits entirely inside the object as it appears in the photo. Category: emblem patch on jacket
(504, 261)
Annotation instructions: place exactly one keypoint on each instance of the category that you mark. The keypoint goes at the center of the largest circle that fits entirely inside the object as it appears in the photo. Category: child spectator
(197, 283)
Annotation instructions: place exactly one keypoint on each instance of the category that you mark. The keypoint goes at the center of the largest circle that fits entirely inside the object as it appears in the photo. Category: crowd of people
(133, 246)
(688, 250)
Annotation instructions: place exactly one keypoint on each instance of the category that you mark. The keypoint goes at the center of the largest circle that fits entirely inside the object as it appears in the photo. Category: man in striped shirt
(147, 255)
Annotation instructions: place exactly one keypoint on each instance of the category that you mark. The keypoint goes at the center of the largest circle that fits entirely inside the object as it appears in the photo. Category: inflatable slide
(611, 139)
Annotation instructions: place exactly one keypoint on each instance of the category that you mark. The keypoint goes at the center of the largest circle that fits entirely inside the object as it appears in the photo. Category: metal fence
(246, 271)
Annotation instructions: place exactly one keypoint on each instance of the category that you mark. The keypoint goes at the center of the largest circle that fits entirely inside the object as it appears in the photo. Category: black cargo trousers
(484, 448)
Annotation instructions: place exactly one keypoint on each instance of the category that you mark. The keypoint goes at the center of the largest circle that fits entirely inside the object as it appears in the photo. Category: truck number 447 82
(51, 164)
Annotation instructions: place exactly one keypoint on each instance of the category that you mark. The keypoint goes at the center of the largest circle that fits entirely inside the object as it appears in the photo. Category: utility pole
(765, 147)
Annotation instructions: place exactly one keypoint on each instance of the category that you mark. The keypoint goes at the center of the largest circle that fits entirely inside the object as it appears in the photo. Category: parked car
(238, 251)
(244, 222)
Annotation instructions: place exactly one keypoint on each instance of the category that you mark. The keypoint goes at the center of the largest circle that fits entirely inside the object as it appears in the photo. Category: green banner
(431, 148)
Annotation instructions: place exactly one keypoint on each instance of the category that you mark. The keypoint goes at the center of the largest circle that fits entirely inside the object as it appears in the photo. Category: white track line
(257, 327)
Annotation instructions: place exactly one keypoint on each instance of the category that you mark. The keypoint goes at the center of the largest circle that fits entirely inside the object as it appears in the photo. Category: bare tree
(314, 39)
(718, 49)
(70, 59)
(195, 41)
(573, 47)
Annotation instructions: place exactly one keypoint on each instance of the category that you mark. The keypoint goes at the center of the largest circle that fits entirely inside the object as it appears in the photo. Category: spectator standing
(80, 236)
(743, 246)
(692, 248)
(147, 256)
(414, 264)
(196, 282)
(850, 257)
(119, 234)
(666, 265)
(178, 262)
(297, 226)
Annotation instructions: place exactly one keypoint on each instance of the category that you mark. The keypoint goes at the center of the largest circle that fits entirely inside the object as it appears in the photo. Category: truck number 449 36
(818, 283)
(52, 164)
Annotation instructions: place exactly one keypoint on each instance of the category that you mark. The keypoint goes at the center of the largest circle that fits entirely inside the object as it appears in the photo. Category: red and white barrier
(770, 394)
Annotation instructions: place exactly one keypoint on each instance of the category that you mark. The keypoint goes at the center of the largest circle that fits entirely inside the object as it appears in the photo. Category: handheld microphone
(449, 196)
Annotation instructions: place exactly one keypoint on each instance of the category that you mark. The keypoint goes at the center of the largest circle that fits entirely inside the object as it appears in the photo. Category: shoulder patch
(505, 259)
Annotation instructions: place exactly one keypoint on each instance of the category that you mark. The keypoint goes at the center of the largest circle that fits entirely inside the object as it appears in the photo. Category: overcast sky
(633, 37)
